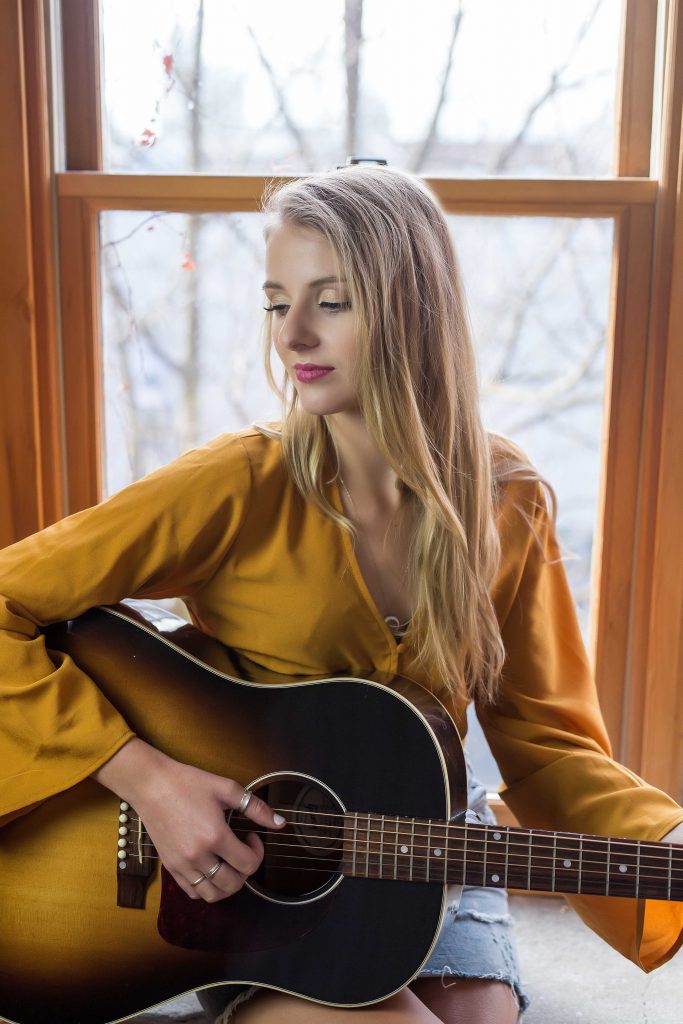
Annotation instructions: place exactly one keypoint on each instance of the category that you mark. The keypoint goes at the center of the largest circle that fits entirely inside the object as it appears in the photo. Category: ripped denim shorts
(476, 940)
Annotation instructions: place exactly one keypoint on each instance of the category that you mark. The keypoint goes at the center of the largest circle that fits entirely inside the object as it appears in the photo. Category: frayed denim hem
(520, 996)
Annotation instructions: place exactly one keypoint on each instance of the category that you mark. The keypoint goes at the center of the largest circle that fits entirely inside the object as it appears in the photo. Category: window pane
(462, 88)
(182, 352)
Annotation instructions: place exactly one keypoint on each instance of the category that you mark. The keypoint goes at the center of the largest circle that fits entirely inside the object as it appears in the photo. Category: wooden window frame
(636, 636)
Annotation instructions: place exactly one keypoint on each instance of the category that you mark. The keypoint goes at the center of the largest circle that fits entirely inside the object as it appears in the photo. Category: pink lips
(309, 372)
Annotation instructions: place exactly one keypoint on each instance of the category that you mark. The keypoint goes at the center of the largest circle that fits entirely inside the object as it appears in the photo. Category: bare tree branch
(553, 87)
(278, 92)
(441, 99)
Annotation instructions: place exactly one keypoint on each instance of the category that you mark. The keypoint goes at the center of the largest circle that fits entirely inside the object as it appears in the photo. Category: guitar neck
(424, 850)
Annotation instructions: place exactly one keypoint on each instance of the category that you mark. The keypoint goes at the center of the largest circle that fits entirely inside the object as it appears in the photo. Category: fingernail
(278, 819)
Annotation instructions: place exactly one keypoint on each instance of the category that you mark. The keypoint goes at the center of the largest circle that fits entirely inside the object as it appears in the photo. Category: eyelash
(332, 307)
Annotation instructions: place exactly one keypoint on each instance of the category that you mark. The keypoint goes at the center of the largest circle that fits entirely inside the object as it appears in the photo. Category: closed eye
(335, 307)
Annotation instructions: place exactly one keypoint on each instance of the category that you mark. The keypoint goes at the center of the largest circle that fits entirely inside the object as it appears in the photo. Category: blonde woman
(378, 530)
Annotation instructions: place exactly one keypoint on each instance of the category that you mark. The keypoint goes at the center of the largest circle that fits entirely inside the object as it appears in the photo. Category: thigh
(268, 1007)
(468, 1000)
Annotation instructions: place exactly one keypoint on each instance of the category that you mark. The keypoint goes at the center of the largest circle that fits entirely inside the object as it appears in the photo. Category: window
(540, 151)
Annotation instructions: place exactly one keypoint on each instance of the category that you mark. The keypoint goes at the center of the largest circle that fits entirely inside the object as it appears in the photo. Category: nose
(296, 330)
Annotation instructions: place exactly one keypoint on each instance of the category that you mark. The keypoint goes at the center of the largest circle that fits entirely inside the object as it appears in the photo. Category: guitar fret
(638, 871)
(367, 851)
(594, 878)
(609, 851)
(528, 884)
(355, 841)
(554, 864)
(580, 860)
(412, 848)
(396, 852)
(483, 880)
(507, 856)
(443, 852)
(655, 871)
(429, 847)
(668, 888)
(381, 847)
(464, 855)
(567, 862)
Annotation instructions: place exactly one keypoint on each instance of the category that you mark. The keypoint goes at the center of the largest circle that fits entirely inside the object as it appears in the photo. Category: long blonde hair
(416, 382)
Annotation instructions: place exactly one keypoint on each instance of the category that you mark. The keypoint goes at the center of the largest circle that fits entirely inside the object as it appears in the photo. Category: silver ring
(202, 878)
(244, 802)
(212, 871)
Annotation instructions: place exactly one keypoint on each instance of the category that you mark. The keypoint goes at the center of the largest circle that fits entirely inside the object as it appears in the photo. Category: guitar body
(70, 955)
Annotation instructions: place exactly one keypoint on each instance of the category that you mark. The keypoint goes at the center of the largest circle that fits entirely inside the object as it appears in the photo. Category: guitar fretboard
(423, 850)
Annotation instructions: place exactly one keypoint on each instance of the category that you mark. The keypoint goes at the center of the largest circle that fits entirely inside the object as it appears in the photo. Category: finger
(257, 809)
(225, 882)
(240, 853)
(254, 840)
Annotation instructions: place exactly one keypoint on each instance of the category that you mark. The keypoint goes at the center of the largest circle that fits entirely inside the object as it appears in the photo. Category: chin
(322, 405)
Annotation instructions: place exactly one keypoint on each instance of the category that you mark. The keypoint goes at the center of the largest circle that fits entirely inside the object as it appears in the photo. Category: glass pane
(470, 87)
(182, 354)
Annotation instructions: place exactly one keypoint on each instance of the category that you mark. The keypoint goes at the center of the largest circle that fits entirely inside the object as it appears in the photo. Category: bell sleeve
(546, 731)
(164, 536)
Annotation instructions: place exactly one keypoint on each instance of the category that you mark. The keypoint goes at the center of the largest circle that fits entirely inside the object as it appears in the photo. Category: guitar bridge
(135, 859)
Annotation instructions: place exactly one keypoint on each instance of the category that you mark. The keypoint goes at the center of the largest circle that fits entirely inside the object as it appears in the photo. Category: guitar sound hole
(302, 860)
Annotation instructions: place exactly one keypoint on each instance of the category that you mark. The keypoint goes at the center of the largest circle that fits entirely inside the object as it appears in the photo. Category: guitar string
(403, 872)
(481, 834)
(422, 859)
(392, 845)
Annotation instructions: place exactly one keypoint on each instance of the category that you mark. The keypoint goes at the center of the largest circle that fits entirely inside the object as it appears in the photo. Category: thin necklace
(396, 627)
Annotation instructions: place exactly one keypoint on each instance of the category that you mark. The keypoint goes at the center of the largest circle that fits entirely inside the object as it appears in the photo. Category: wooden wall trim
(30, 467)
(651, 669)
(48, 384)
(19, 506)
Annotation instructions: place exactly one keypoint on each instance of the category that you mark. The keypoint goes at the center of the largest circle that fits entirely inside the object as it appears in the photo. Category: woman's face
(312, 322)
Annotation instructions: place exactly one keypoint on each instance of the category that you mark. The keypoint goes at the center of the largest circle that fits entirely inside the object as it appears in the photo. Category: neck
(364, 470)
(425, 850)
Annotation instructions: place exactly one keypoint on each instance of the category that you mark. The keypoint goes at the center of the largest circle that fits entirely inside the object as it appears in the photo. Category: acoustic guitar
(350, 898)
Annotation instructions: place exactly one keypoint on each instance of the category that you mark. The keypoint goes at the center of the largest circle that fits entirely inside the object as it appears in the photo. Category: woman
(454, 579)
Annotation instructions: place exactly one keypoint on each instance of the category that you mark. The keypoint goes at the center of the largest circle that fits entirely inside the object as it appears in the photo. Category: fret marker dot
(623, 867)
(404, 849)
(496, 835)
(437, 851)
(495, 878)
(567, 863)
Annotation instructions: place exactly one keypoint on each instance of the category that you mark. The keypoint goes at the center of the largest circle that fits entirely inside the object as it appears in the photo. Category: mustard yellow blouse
(276, 580)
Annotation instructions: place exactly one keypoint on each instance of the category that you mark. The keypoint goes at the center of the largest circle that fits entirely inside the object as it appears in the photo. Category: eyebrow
(311, 284)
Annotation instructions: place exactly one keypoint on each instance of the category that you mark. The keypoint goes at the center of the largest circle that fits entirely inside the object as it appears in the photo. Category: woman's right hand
(183, 809)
